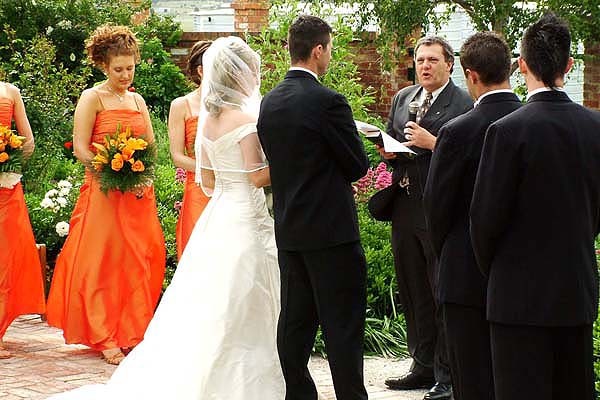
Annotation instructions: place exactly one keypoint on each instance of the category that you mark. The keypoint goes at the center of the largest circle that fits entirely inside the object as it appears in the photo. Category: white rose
(51, 193)
(64, 184)
(47, 203)
(62, 202)
(62, 228)
(64, 191)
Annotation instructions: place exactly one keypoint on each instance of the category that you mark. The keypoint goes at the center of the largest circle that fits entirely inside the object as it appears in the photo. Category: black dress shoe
(439, 391)
(410, 381)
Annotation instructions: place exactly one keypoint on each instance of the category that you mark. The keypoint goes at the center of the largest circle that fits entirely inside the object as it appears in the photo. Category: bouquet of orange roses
(11, 157)
(11, 150)
(124, 162)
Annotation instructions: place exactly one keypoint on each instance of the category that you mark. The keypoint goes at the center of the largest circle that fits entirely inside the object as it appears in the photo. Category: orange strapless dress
(194, 199)
(109, 273)
(21, 281)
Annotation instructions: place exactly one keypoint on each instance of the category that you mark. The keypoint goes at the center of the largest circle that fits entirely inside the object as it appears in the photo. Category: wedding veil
(230, 91)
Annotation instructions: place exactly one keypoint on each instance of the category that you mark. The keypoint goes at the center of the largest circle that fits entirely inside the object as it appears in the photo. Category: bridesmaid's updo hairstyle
(195, 60)
(108, 41)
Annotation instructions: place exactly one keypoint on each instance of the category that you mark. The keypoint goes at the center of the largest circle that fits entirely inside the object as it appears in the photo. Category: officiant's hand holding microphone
(414, 133)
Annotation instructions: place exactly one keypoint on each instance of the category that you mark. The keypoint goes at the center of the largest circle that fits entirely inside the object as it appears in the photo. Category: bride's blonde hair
(233, 73)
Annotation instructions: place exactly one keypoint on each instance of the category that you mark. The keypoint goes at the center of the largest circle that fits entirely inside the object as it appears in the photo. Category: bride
(214, 333)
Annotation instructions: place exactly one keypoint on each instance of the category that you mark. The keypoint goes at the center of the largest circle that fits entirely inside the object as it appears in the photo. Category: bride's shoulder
(238, 117)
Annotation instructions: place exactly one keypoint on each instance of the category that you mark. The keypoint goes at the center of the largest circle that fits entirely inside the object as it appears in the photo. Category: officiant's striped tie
(424, 107)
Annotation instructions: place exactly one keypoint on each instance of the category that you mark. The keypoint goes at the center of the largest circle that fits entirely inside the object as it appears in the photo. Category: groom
(309, 137)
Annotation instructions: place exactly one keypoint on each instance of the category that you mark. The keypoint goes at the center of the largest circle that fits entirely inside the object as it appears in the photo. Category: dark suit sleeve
(442, 186)
(345, 144)
(494, 194)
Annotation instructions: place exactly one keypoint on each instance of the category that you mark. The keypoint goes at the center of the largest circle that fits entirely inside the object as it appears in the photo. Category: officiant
(438, 100)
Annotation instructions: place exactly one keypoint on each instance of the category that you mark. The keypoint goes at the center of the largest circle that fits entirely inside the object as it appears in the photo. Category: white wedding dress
(214, 333)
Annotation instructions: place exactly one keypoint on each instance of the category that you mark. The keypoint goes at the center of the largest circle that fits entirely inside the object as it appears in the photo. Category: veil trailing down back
(214, 333)
(232, 84)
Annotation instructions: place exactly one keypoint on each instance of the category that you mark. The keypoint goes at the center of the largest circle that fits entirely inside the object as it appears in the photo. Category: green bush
(167, 191)
(48, 92)
(342, 73)
(158, 79)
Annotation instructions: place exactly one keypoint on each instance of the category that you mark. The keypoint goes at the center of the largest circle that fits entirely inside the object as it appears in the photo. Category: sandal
(127, 350)
(115, 358)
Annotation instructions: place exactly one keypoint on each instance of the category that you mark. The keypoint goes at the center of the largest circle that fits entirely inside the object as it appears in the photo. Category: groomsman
(534, 216)
(485, 59)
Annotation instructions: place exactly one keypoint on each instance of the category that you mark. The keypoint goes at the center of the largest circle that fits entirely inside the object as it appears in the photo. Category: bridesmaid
(183, 124)
(21, 281)
(109, 274)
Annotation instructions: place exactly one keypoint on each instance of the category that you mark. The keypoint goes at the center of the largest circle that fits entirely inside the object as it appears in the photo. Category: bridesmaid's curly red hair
(111, 40)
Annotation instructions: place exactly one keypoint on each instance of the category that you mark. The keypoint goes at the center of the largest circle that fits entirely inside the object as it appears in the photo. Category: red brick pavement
(42, 364)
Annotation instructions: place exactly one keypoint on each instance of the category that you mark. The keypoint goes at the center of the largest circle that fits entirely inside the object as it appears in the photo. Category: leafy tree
(583, 17)
(399, 19)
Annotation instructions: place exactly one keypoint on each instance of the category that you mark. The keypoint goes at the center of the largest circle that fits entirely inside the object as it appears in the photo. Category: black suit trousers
(550, 363)
(414, 261)
(469, 353)
(326, 287)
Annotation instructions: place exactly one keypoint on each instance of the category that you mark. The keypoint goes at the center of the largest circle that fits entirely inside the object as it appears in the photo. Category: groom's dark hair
(305, 34)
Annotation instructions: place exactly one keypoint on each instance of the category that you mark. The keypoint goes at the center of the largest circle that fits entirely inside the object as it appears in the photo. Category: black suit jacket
(451, 102)
(309, 137)
(536, 212)
(448, 194)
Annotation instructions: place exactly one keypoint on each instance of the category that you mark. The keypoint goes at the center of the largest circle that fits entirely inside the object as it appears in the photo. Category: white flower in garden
(62, 202)
(62, 228)
(47, 203)
(64, 184)
(64, 191)
(51, 193)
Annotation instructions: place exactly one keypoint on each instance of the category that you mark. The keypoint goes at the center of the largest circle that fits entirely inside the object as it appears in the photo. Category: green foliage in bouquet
(124, 162)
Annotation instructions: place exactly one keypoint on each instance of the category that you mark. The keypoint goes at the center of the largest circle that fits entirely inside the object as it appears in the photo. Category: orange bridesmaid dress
(194, 199)
(109, 273)
(21, 281)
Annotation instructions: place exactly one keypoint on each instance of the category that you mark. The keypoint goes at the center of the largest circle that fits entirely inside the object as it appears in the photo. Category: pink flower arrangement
(180, 175)
(375, 179)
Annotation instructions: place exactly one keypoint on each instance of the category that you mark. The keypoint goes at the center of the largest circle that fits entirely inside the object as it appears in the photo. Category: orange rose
(2, 147)
(127, 153)
(15, 142)
(138, 166)
(117, 163)
(3, 157)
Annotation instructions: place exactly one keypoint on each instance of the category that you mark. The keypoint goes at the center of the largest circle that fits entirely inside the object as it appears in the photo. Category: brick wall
(250, 15)
(591, 77)
(384, 83)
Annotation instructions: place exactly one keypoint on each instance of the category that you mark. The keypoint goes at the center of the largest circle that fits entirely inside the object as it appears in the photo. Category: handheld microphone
(413, 109)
